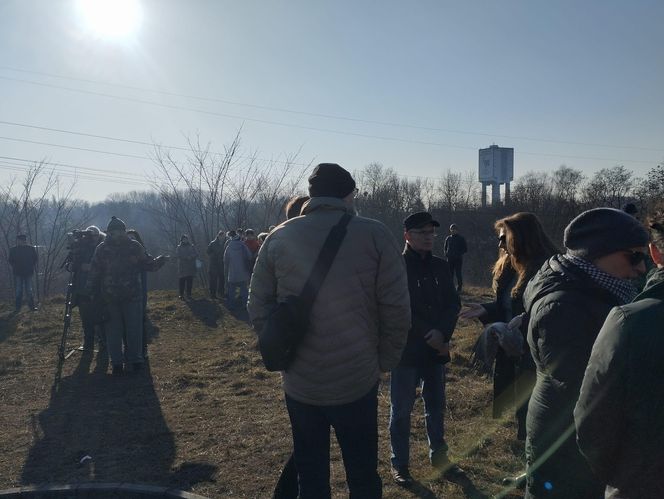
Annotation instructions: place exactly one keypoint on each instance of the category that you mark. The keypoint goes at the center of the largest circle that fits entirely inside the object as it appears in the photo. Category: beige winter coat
(360, 320)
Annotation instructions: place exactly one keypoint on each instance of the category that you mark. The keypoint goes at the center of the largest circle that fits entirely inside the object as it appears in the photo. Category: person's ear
(656, 255)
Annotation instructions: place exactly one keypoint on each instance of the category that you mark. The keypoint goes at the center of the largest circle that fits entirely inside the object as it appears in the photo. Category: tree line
(202, 192)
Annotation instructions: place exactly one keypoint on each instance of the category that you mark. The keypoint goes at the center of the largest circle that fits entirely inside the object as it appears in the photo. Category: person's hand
(436, 340)
(472, 311)
(515, 323)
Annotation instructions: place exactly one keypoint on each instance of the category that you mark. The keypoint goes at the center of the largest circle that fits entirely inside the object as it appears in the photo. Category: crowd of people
(572, 346)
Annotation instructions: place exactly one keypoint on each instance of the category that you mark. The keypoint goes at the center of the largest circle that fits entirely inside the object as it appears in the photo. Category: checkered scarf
(620, 288)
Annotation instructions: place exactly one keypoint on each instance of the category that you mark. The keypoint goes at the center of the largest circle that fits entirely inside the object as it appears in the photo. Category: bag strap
(324, 262)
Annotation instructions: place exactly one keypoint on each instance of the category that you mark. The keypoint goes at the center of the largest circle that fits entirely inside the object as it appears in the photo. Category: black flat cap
(419, 219)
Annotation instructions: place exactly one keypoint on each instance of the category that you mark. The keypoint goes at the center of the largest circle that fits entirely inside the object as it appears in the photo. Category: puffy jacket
(116, 267)
(215, 251)
(361, 316)
(23, 259)
(237, 261)
(434, 304)
(186, 254)
(567, 310)
(620, 413)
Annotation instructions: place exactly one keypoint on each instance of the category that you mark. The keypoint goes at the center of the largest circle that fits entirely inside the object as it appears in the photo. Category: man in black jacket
(620, 415)
(434, 308)
(455, 247)
(23, 259)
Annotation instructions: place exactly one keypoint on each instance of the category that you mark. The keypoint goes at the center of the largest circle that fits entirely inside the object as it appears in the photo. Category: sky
(418, 86)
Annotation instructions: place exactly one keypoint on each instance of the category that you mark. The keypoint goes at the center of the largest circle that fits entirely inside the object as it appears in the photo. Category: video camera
(81, 245)
(76, 236)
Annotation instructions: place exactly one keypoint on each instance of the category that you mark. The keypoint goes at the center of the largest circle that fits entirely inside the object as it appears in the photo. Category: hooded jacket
(567, 310)
(237, 261)
(360, 318)
(620, 413)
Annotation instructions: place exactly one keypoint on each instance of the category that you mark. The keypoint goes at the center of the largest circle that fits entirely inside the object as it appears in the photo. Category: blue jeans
(403, 385)
(356, 427)
(24, 284)
(237, 295)
(125, 318)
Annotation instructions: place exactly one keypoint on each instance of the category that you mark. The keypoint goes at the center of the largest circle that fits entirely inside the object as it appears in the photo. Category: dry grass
(206, 417)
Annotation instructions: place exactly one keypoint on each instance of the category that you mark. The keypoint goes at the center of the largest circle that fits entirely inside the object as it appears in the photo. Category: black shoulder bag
(288, 321)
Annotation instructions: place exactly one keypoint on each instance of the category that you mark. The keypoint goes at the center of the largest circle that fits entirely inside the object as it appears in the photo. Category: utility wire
(140, 142)
(331, 116)
(302, 127)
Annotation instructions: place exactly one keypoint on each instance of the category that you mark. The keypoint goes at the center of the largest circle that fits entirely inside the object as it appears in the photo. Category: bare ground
(205, 416)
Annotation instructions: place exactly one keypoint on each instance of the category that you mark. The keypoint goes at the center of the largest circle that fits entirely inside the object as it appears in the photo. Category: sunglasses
(636, 257)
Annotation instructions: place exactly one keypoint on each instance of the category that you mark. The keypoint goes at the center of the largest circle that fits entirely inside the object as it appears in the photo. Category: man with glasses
(434, 307)
(620, 416)
(567, 301)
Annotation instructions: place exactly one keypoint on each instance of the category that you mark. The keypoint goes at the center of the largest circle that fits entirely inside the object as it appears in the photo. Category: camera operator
(82, 246)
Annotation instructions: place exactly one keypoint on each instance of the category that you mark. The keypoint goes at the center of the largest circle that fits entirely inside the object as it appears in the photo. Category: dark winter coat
(620, 413)
(434, 304)
(115, 270)
(455, 246)
(23, 259)
(567, 310)
(215, 251)
(186, 254)
(512, 376)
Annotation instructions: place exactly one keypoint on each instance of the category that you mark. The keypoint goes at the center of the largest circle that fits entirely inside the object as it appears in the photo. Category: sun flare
(115, 19)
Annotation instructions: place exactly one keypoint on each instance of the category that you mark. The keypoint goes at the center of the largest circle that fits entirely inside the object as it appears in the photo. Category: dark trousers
(216, 279)
(455, 264)
(356, 427)
(187, 282)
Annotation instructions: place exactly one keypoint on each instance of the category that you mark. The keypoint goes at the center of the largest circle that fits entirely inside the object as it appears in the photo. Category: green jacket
(360, 319)
(619, 416)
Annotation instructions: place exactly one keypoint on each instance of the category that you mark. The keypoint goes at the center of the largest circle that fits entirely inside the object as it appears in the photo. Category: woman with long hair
(523, 247)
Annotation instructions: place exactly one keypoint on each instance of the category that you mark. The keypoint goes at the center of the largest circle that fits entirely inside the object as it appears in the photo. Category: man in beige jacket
(358, 328)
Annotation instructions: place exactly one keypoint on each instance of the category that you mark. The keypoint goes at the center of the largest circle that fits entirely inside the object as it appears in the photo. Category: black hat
(419, 219)
(330, 180)
(602, 231)
(116, 224)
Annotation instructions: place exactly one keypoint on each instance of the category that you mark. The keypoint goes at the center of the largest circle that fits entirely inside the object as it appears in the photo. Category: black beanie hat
(330, 180)
(602, 231)
(116, 224)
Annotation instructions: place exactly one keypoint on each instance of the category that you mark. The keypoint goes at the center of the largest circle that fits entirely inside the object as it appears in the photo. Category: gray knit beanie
(602, 231)
(116, 224)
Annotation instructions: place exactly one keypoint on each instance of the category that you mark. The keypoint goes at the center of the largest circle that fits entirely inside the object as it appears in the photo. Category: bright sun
(110, 18)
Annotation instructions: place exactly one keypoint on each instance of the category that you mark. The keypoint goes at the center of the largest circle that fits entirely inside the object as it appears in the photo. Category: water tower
(496, 167)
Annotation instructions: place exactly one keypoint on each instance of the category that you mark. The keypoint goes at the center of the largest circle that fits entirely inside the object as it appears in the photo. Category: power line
(331, 116)
(302, 127)
(18, 167)
(139, 142)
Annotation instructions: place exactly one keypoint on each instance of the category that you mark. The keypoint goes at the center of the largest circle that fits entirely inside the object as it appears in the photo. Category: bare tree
(609, 187)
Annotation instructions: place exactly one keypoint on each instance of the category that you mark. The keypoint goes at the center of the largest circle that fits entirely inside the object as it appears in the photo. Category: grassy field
(206, 417)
